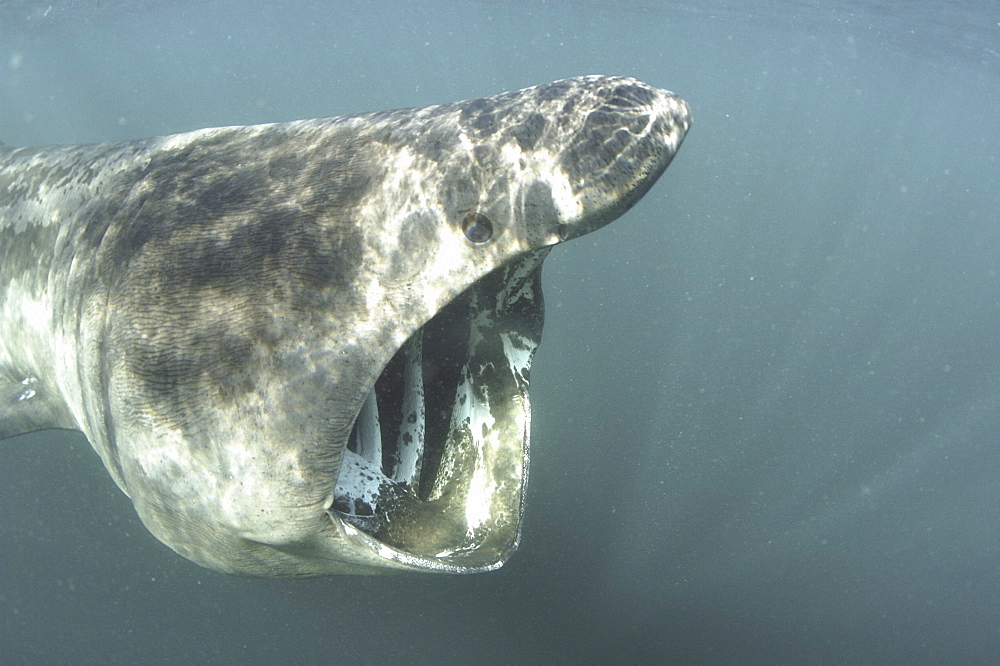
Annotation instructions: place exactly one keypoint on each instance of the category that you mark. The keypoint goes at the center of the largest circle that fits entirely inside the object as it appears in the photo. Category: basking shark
(303, 348)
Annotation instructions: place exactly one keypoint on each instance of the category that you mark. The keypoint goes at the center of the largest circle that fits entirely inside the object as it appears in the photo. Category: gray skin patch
(304, 348)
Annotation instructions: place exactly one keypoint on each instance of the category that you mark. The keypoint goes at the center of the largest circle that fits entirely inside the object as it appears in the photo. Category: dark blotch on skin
(484, 118)
(595, 152)
(630, 96)
(486, 124)
(225, 205)
(554, 90)
(538, 205)
(479, 114)
(460, 193)
(229, 242)
(485, 156)
(530, 131)
(435, 145)
(417, 240)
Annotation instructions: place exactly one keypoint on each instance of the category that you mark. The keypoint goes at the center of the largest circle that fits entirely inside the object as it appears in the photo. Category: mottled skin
(212, 308)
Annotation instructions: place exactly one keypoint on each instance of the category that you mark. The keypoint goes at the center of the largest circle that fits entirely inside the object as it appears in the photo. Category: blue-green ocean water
(766, 409)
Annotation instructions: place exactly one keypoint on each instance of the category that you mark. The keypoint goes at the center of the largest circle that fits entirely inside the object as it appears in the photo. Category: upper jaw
(434, 472)
(643, 128)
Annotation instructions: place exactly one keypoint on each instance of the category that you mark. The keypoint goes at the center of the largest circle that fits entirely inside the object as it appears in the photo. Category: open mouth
(436, 463)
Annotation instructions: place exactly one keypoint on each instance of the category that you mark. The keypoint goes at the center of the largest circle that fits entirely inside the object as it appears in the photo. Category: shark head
(304, 348)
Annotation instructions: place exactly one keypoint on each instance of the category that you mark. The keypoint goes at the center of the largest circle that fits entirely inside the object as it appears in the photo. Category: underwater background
(766, 408)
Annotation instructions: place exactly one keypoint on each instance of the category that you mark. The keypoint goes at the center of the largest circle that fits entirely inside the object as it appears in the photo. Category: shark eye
(477, 227)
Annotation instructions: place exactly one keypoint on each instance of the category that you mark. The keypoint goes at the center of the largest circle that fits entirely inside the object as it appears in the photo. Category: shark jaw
(434, 470)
